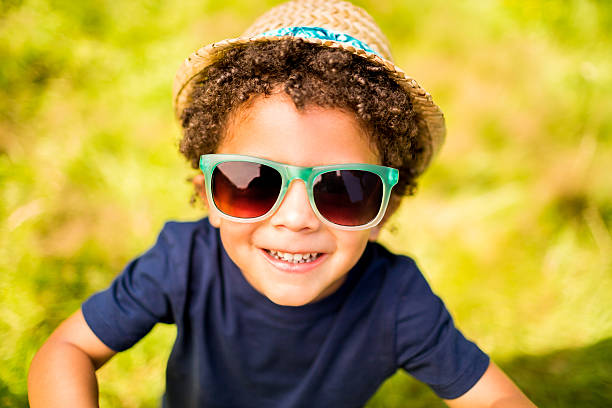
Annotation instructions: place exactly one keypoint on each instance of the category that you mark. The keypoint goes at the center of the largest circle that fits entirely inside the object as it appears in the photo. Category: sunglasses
(250, 189)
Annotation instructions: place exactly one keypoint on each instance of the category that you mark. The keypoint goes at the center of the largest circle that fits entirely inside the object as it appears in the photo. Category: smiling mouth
(294, 258)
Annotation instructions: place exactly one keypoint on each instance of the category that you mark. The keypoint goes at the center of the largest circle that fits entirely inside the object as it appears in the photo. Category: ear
(214, 218)
(200, 188)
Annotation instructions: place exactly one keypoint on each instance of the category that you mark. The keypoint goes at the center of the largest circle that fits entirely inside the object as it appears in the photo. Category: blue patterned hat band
(320, 33)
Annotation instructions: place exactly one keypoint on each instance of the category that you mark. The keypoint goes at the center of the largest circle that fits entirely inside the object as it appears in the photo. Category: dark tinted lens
(348, 197)
(244, 189)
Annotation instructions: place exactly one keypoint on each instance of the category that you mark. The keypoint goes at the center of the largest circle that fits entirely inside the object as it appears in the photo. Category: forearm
(514, 402)
(62, 375)
(493, 390)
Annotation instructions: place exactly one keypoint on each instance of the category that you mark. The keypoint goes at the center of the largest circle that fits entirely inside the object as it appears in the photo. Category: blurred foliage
(564, 378)
(511, 225)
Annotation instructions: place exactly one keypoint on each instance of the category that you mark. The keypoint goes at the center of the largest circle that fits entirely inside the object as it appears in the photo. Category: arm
(493, 390)
(62, 373)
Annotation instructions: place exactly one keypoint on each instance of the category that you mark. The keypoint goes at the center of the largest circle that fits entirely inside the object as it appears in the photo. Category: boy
(280, 297)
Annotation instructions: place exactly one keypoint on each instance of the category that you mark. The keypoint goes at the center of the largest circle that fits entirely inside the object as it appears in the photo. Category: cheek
(352, 243)
(234, 235)
(213, 216)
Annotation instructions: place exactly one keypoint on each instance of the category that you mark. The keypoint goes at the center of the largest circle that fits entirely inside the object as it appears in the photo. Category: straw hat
(331, 23)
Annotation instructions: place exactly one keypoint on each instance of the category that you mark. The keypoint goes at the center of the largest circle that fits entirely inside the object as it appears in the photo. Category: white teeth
(294, 258)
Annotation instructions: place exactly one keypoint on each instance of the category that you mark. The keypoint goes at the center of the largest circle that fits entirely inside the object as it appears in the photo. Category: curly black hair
(312, 75)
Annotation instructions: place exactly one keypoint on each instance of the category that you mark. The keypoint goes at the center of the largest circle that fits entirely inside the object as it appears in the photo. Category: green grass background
(511, 224)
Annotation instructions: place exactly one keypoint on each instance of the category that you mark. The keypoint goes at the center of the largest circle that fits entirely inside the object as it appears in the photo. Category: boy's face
(273, 129)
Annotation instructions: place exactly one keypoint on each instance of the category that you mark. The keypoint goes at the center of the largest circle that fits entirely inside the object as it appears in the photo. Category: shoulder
(399, 283)
(399, 270)
(151, 288)
(194, 254)
(406, 288)
(416, 307)
(187, 230)
(182, 247)
(381, 256)
(179, 236)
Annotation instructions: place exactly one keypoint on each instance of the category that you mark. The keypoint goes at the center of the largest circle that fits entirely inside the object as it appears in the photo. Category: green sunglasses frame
(308, 175)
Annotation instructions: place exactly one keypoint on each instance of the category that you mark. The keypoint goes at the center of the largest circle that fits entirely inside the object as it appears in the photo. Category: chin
(284, 299)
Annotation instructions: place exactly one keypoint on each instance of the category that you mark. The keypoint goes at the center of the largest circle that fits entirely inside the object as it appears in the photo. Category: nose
(295, 212)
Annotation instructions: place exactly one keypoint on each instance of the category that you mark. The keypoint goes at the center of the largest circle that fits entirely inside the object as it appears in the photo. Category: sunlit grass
(511, 224)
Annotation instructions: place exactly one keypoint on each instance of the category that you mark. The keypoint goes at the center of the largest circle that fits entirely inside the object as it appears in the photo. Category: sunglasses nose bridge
(298, 173)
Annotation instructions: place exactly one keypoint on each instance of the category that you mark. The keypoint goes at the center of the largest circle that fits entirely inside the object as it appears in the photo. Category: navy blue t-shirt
(236, 348)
